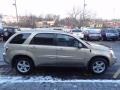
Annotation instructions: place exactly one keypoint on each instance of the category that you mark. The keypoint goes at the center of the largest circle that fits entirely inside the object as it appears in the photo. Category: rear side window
(43, 39)
(20, 38)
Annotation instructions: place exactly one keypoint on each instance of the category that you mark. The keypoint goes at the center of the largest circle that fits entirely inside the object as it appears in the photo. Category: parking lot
(67, 73)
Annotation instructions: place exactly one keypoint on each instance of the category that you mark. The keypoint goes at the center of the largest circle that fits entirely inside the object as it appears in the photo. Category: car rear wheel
(24, 66)
(104, 39)
(98, 66)
(114, 39)
(86, 38)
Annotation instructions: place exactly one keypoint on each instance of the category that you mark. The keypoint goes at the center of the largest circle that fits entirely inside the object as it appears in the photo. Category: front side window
(66, 40)
(43, 39)
(20, 38)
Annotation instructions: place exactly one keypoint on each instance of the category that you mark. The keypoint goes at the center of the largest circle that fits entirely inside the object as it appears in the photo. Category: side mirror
(80, 45)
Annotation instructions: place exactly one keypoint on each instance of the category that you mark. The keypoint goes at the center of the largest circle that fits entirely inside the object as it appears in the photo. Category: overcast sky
(106, 9)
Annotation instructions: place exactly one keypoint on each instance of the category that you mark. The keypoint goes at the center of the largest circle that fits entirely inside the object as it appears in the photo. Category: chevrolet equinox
(28, 49)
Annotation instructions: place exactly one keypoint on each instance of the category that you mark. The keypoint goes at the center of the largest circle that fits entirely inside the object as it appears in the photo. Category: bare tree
(40, 18)
(49, 17)
(27, 21)
(79, 17)
(75, 13)
(74, 16)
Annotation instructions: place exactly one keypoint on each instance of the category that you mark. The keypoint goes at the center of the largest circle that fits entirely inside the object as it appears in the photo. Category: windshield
(76, 31)
(111, 31)
(93, 31)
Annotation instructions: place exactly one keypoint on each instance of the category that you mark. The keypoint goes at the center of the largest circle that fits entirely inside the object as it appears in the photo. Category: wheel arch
(98, 57)
(22, 56)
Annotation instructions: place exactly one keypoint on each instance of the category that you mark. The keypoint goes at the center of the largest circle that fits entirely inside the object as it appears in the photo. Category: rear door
(43, 48)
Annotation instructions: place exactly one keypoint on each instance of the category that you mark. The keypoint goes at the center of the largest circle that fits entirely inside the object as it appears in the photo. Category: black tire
(114, 39)
(29, 62)
(4, 39)
(99, 39)
(86, 38)
(104, 39)
(92, 63)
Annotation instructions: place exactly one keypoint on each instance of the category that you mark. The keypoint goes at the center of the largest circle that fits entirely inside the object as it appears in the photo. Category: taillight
(6, 49)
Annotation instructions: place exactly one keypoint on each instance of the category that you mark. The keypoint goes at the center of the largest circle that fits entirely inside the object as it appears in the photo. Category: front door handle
(60, 49)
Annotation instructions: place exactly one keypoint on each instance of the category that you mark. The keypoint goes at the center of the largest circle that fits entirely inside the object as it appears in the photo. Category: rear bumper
(5, 58)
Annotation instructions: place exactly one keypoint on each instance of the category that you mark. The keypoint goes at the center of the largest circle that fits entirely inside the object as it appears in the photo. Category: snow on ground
(14, 79)
(21, 79)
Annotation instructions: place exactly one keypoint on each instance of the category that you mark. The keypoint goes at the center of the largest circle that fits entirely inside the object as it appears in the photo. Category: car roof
(43, 31)
(10, 27)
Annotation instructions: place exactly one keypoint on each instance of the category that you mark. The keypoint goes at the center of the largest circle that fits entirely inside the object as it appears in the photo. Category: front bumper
(113, 61)
(112, 37)
(94, 37)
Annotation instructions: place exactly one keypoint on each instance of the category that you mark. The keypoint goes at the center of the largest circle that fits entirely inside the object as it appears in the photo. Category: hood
(99, 47)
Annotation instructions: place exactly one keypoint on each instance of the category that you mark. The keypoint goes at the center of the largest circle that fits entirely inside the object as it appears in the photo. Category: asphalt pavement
(35, 84)
(67, 73)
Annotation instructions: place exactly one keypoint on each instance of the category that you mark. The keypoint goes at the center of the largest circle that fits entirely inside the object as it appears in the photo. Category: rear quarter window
(20, 38)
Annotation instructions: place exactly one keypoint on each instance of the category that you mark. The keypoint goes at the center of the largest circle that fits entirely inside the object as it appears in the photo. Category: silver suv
(28, 49)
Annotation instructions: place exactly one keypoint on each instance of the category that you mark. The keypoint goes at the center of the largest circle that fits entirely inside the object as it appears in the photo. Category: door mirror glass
(78, 45)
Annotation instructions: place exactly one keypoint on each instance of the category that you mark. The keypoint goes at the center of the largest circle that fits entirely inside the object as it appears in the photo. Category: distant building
(112, 24)
(45, 24)
(104, 23)
(9, 19)
(96, 24)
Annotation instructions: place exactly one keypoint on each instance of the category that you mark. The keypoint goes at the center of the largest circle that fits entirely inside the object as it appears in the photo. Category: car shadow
(65, 73)
(62, 73)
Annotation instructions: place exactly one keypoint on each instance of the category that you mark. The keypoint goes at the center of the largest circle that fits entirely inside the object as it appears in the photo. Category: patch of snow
(41, 79)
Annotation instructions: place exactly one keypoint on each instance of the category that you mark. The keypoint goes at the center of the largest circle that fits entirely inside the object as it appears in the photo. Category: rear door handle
(33, 47)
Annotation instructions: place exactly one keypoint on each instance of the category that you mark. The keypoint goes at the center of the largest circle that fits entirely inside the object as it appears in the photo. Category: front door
(68, 52)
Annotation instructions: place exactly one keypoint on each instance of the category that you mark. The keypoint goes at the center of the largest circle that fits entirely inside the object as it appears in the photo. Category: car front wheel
(98, 66)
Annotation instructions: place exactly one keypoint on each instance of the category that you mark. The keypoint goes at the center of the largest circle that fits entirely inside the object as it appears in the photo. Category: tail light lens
(6, 49)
